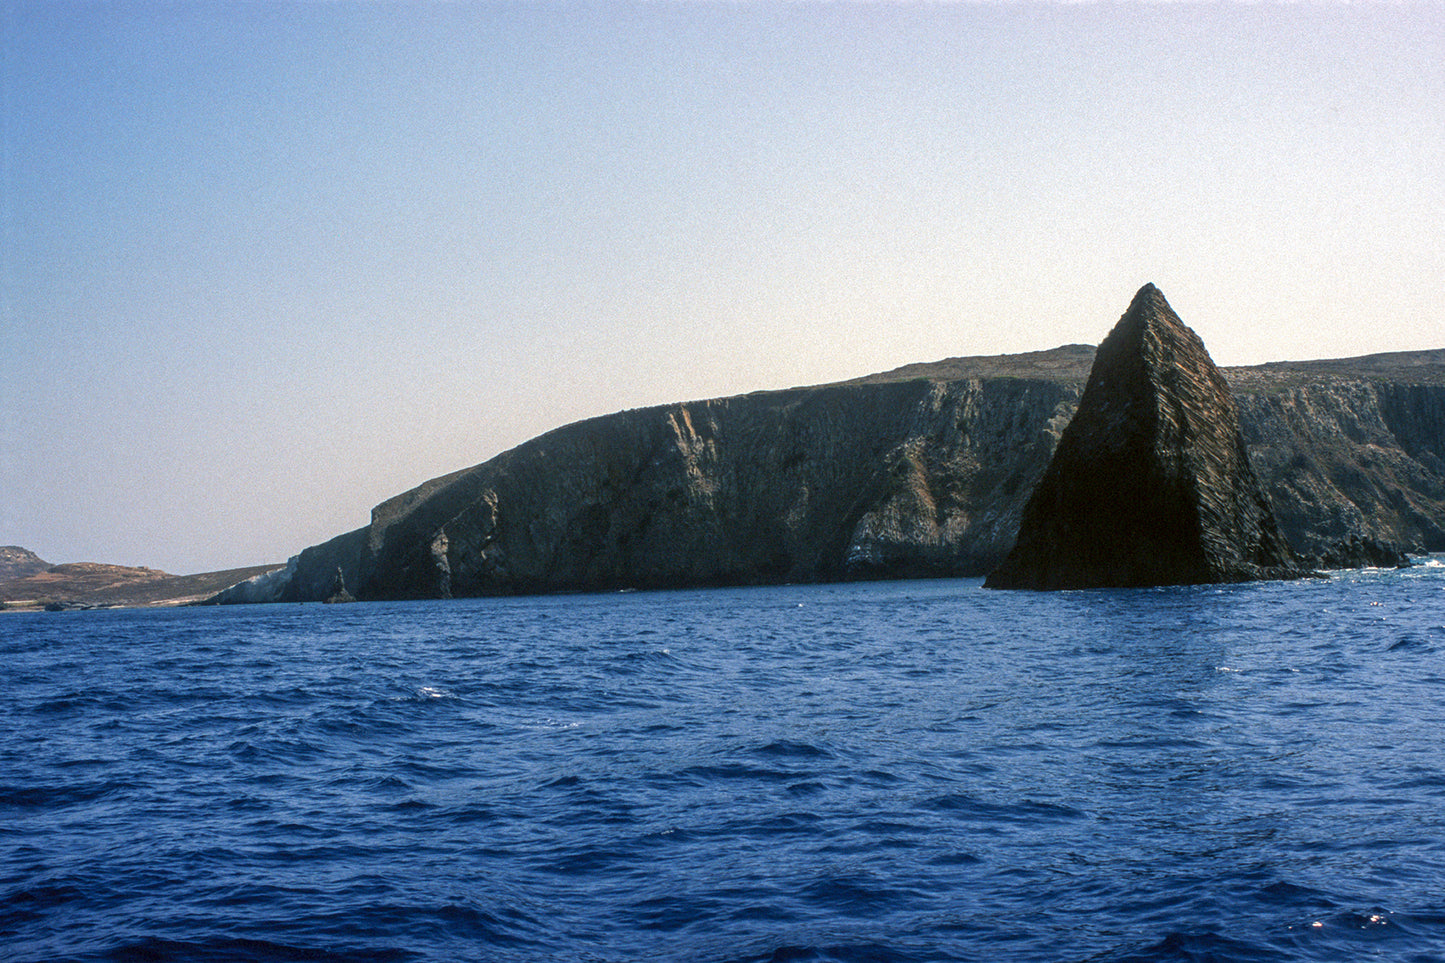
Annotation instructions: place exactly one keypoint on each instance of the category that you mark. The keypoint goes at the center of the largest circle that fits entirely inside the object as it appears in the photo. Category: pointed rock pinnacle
(1151, 482)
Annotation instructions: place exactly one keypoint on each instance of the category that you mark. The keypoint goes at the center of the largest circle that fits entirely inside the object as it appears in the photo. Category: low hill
(17, 562)
(95, 585)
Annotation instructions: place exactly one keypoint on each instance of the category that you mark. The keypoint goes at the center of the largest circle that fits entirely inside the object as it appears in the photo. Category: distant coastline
(1297, 416)
(94, 585)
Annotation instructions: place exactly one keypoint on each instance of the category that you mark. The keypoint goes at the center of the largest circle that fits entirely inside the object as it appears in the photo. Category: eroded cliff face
(904, 478)
(1355, 470)
(921, 471)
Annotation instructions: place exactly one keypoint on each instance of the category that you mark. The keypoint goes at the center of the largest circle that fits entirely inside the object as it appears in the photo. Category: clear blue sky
(264, 265)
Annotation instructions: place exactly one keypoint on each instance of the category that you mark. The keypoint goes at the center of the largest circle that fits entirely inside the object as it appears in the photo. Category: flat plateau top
(1071, 363)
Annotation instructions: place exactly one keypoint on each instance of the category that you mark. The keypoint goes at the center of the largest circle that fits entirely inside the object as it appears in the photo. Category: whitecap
(543, 725)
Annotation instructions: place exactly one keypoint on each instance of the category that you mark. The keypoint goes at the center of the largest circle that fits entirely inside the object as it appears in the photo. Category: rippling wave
(913, 771)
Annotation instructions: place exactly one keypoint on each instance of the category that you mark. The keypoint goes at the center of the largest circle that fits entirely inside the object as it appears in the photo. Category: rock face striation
(909, 478)
(1354, 465)
(1151, 482)
(920, 471)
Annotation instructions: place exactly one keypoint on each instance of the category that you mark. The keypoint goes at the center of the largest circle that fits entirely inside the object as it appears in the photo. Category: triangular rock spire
(1150, 483)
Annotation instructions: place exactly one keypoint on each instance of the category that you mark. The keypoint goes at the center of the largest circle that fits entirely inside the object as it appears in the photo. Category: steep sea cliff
(1355, 469)
(920, 471)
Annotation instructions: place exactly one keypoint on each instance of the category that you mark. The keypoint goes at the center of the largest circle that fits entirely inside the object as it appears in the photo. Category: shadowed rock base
(1150, 483)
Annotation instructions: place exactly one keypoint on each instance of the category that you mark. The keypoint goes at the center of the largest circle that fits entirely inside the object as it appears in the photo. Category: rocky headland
(921, 471)
(28, 582)
(1150, 483)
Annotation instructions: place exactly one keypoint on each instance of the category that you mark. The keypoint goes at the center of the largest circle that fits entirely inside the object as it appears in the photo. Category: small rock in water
(338, 590)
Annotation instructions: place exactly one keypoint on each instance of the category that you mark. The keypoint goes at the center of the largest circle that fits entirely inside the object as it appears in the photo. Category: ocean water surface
(908, 771)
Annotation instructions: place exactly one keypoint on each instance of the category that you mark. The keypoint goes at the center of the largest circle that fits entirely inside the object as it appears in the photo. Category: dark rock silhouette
(1151, 482)
(338, 589)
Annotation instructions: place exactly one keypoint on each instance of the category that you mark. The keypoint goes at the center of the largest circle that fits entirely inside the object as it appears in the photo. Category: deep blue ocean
(906, 771)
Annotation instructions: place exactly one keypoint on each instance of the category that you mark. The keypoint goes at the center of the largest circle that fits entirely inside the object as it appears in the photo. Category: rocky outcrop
(338, 590)
(259, 589)
(1151, 482)
(311, 576)
(317, 568)
(920, 471)
(17, 562)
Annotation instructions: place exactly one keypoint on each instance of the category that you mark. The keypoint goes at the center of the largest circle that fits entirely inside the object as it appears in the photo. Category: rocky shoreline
(919, 472)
